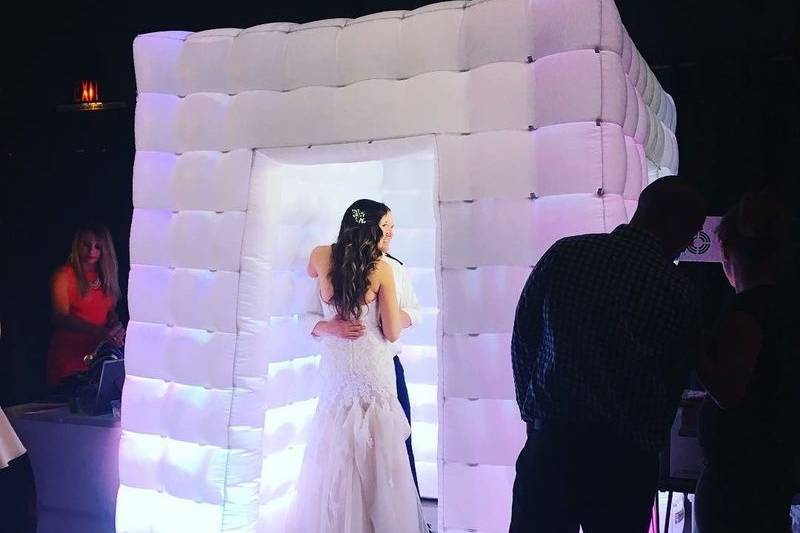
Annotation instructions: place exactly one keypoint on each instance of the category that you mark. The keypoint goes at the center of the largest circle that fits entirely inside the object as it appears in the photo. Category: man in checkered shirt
(604, 340)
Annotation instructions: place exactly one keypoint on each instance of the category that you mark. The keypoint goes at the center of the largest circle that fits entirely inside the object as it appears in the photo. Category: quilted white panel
(486, 165)
(278, 475)
(429, 39)
(203, 64)
(672, 116)
(202, 239)
(579, 86)
(368, 48)
(186, 463)
(207, 181)
(578, 157)
(187, 239)
(643, 124)
(287, 426)
(495, 31)
(292, 381)
(577, 28)
(659, 103)
(464, 224)
(140, 457)
(670, 158)
(640, 81)
(155, 58)
(486, 288)
(257, 58)
(516, 164)
(477, 366)
(150, 511)
(592, 214)
(183, 412)
(631, 111)
(653, 133)
(155, 122)
(657, 153)
(434, 103)
(357, 106)
(181, 297)
(465, 488)
(311, 55)
(182, 469)
(499, 95)
(189, 356)
(636, 169)
(500, 446)
(201, 122)
(213, 181)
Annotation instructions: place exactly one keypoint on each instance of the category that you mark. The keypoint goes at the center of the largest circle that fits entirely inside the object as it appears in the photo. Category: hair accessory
(358, 216)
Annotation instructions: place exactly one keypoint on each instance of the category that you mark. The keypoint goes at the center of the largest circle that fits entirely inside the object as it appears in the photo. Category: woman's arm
(391, 320)
(61, 316)
(726, 368)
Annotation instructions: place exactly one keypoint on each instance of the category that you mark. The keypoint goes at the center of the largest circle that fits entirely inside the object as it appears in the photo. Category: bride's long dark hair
(355, 255)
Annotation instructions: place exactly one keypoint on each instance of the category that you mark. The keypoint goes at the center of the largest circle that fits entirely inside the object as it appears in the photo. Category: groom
(410, 315)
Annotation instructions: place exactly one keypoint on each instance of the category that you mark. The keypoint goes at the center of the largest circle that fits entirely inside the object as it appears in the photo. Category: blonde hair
(107, 271)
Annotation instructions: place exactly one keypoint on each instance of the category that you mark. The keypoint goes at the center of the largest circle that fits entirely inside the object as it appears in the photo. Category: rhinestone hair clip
(358, 216)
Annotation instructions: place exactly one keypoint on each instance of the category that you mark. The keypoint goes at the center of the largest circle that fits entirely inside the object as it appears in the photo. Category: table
(75, 465)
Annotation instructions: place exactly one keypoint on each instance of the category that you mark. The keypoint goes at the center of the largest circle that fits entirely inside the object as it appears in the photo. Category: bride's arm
(391, 324)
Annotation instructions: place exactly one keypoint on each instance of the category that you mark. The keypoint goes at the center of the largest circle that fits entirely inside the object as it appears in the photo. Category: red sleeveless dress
(68, 347)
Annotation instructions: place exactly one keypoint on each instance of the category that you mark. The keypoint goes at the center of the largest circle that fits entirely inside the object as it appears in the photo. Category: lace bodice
(360, 368)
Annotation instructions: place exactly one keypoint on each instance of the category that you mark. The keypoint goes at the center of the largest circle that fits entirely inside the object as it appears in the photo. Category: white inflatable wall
(492, 128)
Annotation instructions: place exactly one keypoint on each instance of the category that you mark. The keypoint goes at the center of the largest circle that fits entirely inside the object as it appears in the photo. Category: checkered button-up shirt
(606, 330)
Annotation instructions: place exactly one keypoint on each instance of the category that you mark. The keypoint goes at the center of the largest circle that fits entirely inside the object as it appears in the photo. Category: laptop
(112, 378)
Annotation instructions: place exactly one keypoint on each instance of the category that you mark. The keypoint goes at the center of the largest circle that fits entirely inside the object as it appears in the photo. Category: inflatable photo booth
(491, 128)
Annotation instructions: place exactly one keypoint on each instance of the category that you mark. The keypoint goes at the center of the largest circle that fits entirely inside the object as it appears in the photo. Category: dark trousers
(402, 396)
(571, 475)
(744, 497)
(17, 497)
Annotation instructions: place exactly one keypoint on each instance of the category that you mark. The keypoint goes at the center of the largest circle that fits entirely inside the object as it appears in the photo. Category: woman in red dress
(85, 292)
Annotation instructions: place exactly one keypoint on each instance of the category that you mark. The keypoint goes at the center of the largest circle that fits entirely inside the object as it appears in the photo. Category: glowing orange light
(89, 92)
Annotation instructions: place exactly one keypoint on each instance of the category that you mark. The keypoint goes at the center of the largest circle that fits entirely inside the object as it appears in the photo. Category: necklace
(94, 284)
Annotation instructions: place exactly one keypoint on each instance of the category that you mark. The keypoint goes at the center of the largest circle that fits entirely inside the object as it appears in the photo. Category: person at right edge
(748, 425)
(606, 333)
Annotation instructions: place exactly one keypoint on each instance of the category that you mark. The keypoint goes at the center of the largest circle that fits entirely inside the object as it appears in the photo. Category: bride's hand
(344, 329)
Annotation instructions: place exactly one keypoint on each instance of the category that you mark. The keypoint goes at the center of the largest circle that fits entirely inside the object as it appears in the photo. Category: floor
(429, 509)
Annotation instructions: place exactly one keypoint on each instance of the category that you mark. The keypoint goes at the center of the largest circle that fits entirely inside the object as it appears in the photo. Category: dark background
(732, 67)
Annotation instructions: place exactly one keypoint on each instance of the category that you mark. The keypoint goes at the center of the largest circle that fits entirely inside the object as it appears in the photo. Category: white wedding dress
(355, 476)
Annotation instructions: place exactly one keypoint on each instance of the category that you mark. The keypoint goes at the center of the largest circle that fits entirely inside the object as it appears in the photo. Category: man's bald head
(673, 209)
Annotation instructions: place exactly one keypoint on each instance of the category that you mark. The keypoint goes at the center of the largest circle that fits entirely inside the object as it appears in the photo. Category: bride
(355, 476)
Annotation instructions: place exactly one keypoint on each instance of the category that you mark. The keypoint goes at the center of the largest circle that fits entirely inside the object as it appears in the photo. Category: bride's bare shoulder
(319, 260)
(382, 272)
